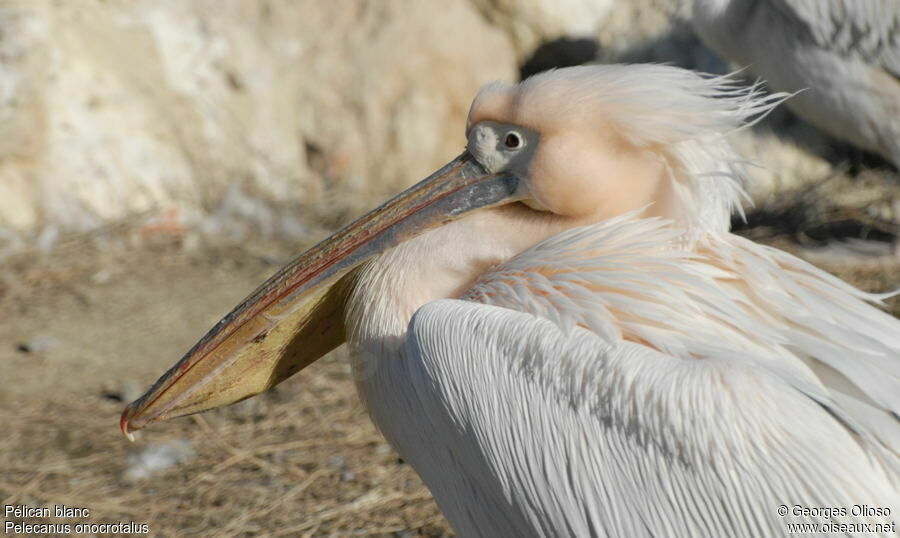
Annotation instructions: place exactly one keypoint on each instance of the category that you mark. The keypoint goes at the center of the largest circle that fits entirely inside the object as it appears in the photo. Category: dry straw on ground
(301, 461)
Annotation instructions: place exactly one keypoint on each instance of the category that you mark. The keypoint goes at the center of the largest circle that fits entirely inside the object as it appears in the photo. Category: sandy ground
(85, 330)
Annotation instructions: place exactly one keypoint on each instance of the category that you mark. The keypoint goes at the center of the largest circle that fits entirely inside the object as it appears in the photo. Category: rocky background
(216, 119)
(160, 158)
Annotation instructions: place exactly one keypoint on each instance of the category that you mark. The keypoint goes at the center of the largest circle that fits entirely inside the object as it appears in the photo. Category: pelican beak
(297, 315)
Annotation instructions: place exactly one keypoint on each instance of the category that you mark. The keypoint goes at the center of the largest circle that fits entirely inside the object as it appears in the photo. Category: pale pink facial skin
(583, 166)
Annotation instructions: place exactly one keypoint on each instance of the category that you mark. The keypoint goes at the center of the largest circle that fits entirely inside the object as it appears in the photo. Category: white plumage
(611, 382)
(637, 376)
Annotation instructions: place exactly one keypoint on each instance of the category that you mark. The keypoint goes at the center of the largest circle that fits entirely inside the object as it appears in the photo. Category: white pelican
(842, 56)
(559, 333)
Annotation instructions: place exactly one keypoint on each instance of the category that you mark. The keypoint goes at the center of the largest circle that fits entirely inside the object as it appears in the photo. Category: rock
(229, 114)
(631, 25)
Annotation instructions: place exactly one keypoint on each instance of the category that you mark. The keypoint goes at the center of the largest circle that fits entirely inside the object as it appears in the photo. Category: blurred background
(161, 158)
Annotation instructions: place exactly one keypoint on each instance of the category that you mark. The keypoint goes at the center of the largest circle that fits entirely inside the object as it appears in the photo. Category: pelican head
(562, 149)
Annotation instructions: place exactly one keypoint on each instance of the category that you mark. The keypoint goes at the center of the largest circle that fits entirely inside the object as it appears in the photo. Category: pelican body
(559, 333)
(842, 57)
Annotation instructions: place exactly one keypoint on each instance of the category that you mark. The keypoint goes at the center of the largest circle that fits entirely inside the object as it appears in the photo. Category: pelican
(841, 56)
(559, 333)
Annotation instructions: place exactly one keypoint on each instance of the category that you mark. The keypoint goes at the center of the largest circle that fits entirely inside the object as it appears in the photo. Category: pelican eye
(513, 140)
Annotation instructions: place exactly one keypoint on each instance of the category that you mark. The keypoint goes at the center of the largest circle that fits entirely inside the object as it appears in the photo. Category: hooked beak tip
(123, 423)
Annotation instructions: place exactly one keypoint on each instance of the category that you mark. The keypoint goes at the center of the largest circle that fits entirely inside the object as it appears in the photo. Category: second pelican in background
(842, 56)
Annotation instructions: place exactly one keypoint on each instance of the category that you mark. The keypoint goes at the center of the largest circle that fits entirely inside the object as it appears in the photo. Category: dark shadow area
(803, 226)
(563, 52)
(856, 160)
(679, 46)
(818, 214)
